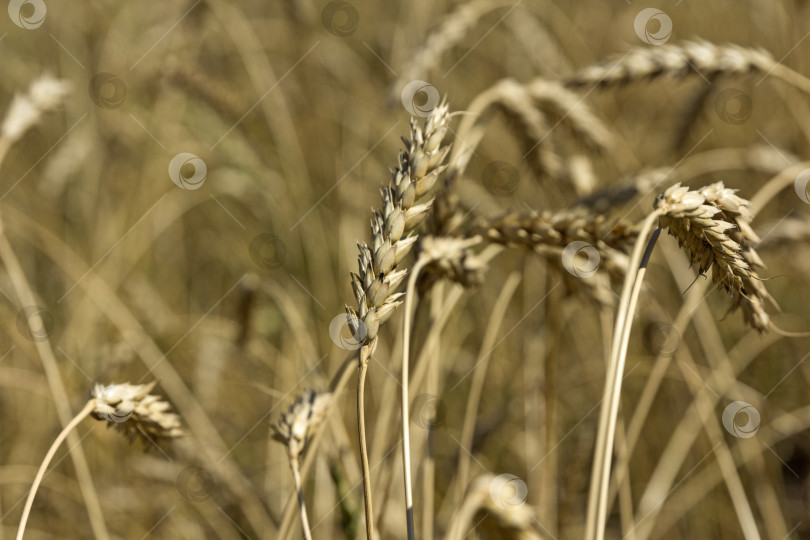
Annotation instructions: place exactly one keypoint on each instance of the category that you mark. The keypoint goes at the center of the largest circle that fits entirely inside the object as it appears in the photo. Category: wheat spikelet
(392, 226)
(136, 412)
(712, 225)
(674, 60)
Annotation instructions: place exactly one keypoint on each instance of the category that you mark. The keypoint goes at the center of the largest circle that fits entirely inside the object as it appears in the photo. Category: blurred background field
(224, 291)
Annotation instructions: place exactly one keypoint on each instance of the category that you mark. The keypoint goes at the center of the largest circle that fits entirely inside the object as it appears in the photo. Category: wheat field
(349, 269)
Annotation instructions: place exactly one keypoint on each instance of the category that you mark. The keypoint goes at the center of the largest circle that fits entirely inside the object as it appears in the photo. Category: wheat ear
(392, 237)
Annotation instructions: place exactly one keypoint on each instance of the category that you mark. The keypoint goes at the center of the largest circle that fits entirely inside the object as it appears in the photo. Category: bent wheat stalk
(126, 406)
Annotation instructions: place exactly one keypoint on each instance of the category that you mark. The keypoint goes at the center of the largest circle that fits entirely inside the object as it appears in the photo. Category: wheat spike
(713, 226)
(674, 60)
(392, 226)
(136, 412)
(295, 426)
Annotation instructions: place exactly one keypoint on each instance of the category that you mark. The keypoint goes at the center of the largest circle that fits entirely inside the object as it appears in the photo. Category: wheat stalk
(378, 277)
(123, 405)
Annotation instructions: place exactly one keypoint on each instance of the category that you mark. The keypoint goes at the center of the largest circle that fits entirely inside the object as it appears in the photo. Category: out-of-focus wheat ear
(556, 100)
(452, 259)
(294, 429)
(295, 426)
(130, 408)
(675, 60)
(44, 95)
(497, 505)
(453, 28)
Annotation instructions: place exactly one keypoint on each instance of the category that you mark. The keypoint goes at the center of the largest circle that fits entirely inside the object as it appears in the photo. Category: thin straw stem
(600, 472)
(88, 408)
(361, 430)
(297, 476)
(406, 436)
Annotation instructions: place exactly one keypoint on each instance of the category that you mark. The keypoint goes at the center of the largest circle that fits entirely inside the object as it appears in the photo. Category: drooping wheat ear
(378, 277)
(713, 225)
(548, 233)
(136, 412)
(452, 259)
(44, 95)
(498, 506)
(536, 108)
(293, 430)
(674, 60)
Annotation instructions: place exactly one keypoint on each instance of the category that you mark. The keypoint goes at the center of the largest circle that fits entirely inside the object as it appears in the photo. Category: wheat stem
(600, 473)
(29, 502)
(406, 352)
(294, 465)
(361, 430)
